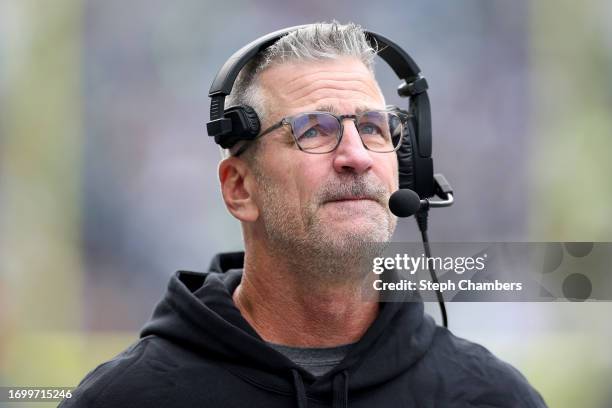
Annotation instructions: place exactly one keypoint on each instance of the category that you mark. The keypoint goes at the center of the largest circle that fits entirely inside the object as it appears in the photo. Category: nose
(351, 156)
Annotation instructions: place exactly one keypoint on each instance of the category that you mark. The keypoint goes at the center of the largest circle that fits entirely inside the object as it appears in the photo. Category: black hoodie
(198, 351)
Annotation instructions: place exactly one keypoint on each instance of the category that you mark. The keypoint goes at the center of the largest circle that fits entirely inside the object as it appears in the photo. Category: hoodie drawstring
(300, 391)
(339, 389)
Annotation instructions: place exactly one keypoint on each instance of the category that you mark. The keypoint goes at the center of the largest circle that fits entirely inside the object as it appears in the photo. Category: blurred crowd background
(108, 180)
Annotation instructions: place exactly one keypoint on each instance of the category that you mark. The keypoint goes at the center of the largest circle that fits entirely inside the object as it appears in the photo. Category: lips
(352, 198)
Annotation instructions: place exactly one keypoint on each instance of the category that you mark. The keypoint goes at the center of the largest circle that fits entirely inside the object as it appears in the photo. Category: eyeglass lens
(319, 132)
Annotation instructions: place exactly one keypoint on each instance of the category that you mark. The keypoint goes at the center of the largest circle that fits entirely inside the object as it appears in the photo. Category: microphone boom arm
(443, 190)
(447, 202)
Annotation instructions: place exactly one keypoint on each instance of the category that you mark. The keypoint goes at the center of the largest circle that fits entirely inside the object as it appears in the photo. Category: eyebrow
(332, 109)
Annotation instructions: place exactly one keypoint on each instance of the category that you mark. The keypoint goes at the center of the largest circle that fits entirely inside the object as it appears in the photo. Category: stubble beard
(319, 251)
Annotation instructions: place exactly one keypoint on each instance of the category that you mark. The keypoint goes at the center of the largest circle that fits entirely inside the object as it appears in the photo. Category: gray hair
(320, 41)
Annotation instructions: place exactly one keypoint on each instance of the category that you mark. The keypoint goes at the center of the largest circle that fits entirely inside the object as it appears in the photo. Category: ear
(236, 187)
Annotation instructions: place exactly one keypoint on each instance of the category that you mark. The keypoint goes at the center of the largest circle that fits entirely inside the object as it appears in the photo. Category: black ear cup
(415, 171)
(250, 121)
(244, 125)
(404, 159)
(422, 162)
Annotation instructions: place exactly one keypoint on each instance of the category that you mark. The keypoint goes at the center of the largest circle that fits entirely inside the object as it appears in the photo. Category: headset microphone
(406, 202)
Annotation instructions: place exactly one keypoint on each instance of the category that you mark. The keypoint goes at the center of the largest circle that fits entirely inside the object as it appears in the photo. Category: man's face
(328, 202)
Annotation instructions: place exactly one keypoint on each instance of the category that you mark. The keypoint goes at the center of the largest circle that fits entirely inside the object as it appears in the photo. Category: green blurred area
(57, 359)
(60, 359)
(571, 117)
(40, 156)
(40, 161)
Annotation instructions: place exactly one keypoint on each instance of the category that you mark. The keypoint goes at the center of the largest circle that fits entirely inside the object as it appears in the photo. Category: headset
(237, 123)
(230, 125)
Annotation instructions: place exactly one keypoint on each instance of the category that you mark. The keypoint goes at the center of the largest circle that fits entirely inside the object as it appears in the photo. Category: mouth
(351, 199)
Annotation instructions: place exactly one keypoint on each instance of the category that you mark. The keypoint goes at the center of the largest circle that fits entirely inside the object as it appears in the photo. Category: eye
(310, 133)
(369, 129)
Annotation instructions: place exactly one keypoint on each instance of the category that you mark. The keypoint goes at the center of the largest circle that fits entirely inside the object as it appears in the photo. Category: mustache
(353, 188)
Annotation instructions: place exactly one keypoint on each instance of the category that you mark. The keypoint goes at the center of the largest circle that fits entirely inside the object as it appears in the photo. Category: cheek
(395, 172)
(286, 173)
(308, 178)
(388, 172)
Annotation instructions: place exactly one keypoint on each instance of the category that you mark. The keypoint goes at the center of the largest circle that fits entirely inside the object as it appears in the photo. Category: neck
(285, 307)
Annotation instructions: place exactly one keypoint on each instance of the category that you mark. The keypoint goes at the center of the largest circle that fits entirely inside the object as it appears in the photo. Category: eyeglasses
(381, 131)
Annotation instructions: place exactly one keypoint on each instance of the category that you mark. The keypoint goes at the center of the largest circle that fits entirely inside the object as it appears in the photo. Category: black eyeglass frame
(287, 121)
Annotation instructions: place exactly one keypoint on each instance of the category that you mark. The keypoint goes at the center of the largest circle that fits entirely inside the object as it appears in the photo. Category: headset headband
(401, 63)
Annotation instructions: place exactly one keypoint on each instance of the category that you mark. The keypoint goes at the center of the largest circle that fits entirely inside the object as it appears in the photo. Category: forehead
(343, 85)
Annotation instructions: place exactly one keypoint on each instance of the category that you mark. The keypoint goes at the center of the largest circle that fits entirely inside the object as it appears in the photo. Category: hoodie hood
(198, 312)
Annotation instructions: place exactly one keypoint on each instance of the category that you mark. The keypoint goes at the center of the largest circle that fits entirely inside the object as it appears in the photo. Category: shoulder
(135, 377)
(480, 376)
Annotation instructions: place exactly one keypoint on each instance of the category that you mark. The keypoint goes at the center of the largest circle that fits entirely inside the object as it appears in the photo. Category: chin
(355, 236)
(362, 228)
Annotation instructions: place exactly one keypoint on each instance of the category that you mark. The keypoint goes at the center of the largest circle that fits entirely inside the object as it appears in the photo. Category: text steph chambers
(463, 284)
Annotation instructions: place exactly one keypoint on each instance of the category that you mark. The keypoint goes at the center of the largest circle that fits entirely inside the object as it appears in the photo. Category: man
(287, 324)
